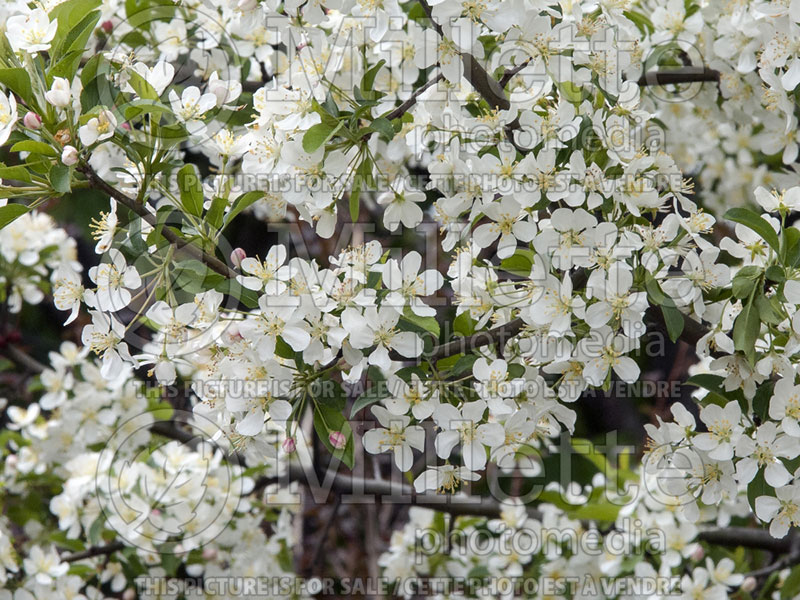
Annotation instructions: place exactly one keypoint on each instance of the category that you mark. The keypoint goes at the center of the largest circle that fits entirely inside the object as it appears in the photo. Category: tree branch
(93, 551)
(679, 75)
(746, 537)
(22, 358)
(211, 261)
(411, 101)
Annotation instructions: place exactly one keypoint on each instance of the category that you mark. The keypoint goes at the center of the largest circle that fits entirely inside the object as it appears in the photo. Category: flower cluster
(532, 137)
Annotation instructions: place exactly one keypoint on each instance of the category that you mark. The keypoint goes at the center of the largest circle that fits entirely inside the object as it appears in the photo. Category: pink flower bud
(289, 445)
(237, 256)
(69, 156)
(31, 120)
(749, 584)
(107, 26)
(698, 553)
(209, 553)
(337, 440)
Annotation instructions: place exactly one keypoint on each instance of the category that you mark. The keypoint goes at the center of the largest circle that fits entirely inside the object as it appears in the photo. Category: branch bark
(679, 75)
(100, 184)
(94, 551)
(412, 100)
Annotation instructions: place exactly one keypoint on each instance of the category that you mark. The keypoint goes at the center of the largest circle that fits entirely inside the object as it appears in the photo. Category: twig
(789, 560)
(412, 100)
(679, 75)
(98, 183)
(509, 73)
(324, 535)
(484, 84)
(94, 551)
(22, 359)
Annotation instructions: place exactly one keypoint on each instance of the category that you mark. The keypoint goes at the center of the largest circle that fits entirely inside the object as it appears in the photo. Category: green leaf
(354, 199)
(753, 221)
(10, 212)
(762, 398)
(318, 135)
(464, 365)
(375, 394)
(139, 84)
(369, 77)
(776, 274)
(231, 287)
(520, 263)
(790, 254)
(194, 277)
(72, 16)
(714, 384)
(150, 107)
(216, 212)
(673, 319)
(791, 585)
(426, 323)
(746, 329)
(18, 80)
(641, 21)
(745, 280)
(464, 324)
(191, 189)
(571, 92)
(60, 178)
(769, 310)
(329, 407)
(68, 49)
(34, 146)
(241, 203)
(361, 178)
(384, 128)
(16, 172)
(758, 487)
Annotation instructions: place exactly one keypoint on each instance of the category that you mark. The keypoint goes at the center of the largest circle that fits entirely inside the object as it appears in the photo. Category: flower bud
(337, 440)
(129, 594)
(31, 120)
(698, 553)
(289, 445)
(69, 156)
(209, 553)
(749, 584)
(107, 26)
(237, 256)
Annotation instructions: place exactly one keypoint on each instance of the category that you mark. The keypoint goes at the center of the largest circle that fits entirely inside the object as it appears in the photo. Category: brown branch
(411, 101)
(350, 488)
(497, 335)
(484, 84)
(679, 75)
(509, 73)
(211, 261)
(94, 551)
(746, 537)
(22, 359)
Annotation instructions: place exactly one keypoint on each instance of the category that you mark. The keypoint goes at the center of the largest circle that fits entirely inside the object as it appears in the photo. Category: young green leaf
(10, 212)
(191, 189)
(753, 221)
